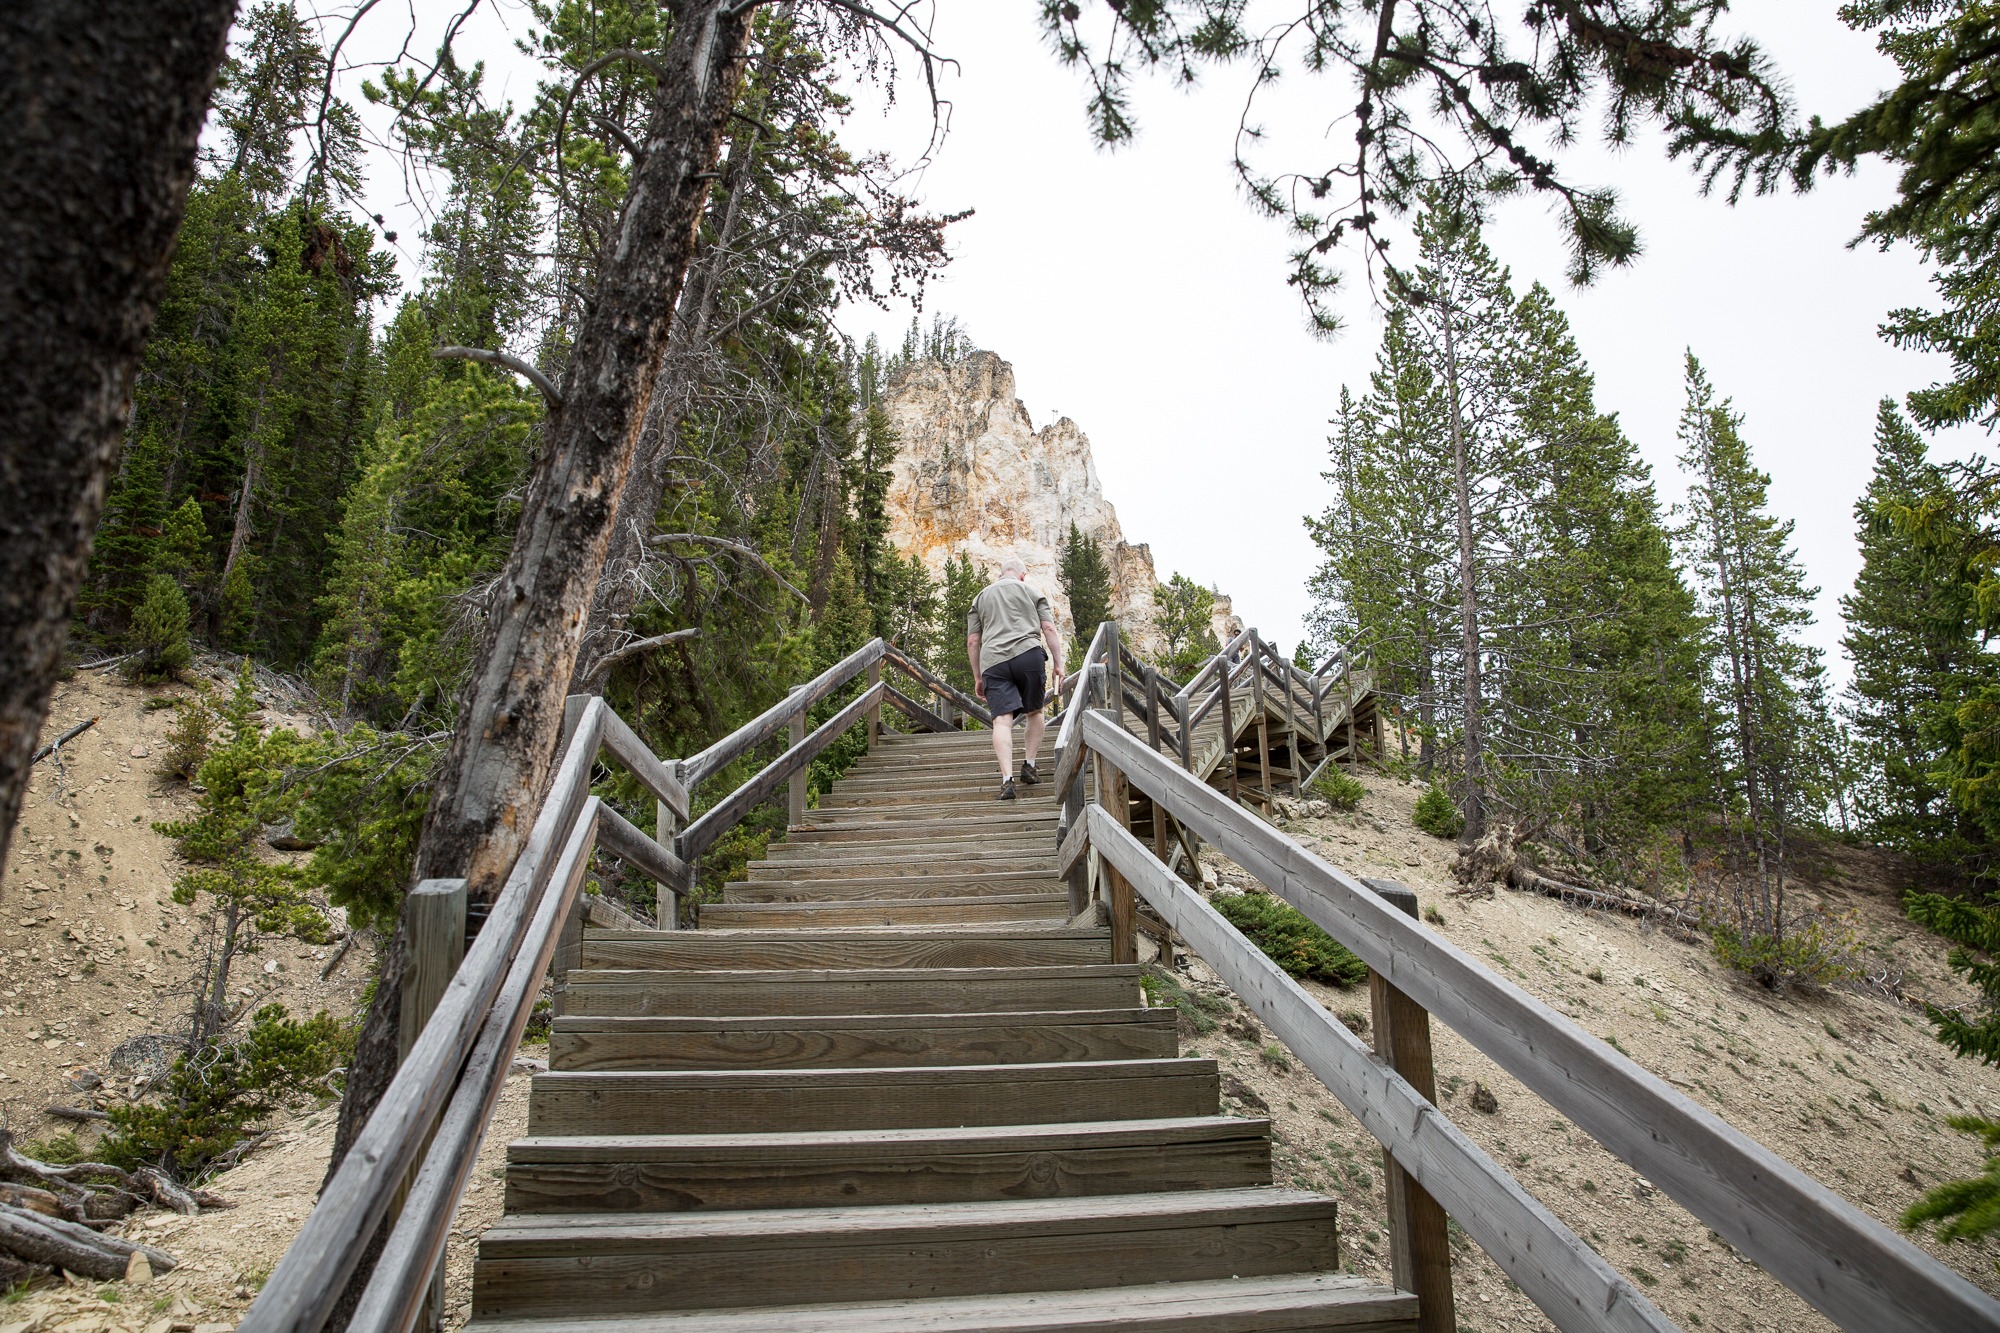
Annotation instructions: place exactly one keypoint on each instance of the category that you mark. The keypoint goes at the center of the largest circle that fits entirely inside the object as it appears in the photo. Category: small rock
(140, 751)
(272, 968)
(1413, 860)
(1642, 1188)
(160, 1326)
(139, 1269)
(1483, 1099)
(528, 1064)
(215, 1328)
(285, 838)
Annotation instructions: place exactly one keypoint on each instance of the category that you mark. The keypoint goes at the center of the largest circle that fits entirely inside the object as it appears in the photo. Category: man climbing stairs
(887, 1087)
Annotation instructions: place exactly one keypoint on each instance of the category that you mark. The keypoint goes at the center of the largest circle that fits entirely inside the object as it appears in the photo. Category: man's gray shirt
(1008, 618)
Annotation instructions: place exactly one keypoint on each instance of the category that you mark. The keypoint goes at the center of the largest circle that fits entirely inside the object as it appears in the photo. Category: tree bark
(1468, 607)
(511, 710)
(101, 104)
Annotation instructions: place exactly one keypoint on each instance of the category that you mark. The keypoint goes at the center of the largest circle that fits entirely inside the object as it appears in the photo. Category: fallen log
(46, 1240)
(82, 1113)
(34, 1200)
(71, 1180)
(1677, 922)
(62, 740)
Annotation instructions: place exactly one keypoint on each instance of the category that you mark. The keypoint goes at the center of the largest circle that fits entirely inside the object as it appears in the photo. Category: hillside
(1849, 1086)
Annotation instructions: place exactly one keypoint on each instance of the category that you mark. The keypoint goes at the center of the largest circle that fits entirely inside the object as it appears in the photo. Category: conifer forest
(606, 427)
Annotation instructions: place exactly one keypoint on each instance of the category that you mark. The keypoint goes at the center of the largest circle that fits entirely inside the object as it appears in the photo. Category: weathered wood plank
(852, 947)
(1842, 1262)
(700, 767)
(529, 1267)
(854, 991)
(866, 1041)
(639, 760)
(729, 811)
(769, 1101)
(890, 911)
(1569, 1281)
(628, 842)
(915, 711)
(872, 1168)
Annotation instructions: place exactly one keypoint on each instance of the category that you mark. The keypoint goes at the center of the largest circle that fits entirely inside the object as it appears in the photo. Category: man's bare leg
(1033, 740)
(1003, 743)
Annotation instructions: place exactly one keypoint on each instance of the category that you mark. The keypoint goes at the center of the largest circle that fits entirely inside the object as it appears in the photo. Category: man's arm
(1053, 638)
(978, 679)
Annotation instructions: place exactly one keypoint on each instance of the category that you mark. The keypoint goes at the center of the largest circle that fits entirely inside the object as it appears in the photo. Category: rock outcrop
(973, 474)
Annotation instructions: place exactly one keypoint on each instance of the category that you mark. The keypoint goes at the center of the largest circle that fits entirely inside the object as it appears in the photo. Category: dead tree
(510, 710)
(100, 107)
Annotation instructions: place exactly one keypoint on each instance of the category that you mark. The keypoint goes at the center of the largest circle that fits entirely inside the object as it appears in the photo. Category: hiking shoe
(1028, 775)
(1007, 790)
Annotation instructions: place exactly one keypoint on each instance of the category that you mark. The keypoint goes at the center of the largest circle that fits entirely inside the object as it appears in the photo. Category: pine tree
(1912, 638)
(1756, 598)
(1183, 621)
(1086, 583)
(159, 634)
(962, 585)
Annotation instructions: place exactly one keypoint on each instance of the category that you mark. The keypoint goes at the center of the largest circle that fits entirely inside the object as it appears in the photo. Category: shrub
(1338, 789)
(190, 736)
(1291, 941)
(1774, 949)
(217, 1093)
(160, 632)
(1436, 815)
(1198, 1011)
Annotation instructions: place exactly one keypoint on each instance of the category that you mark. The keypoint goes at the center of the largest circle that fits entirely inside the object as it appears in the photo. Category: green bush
(190, 735)
(1198, 1011)
(160, 632)
(1817, 949)
(1436, 815)
(217, 1093)
(1338, 789)
(1291, 941)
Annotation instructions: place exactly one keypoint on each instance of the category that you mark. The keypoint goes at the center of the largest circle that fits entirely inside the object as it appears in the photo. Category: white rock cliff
(973, 474)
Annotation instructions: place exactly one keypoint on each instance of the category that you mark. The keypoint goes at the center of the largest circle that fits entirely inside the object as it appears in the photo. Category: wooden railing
(416, 1152)
(1840, 1261)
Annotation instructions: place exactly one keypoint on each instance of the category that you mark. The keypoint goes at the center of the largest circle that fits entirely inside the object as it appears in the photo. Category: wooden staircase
(888, 1087)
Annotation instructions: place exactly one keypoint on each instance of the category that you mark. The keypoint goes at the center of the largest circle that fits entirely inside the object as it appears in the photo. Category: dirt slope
(1849, 1087)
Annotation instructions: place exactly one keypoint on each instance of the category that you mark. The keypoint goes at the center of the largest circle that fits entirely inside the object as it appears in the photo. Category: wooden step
(968, 816)
(872, 860)
(759, 1101)
(862, 1041)
(998, 817)
(739, 950)
(836, 888)
(855, 1168)
(920, 792)
(537, 1266)
(854, 991)
(1287, 1303)
(887, 911)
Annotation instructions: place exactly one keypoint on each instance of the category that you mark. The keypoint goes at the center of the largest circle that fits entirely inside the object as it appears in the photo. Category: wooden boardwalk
(889, 1087)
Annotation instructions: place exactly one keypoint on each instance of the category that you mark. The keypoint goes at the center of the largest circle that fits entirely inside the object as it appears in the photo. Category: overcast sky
(1136, 293)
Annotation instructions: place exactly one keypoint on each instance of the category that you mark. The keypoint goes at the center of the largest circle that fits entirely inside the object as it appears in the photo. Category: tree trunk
(1468, 607)
(511, 709)
(100, 109)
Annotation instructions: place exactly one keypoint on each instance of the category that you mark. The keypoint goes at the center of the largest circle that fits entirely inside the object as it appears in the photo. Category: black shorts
(1017, 684)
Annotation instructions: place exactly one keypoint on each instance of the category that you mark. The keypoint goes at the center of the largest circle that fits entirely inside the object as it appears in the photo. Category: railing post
(1419, 1250)
(434, 921)
(797, 815)
(1113, 795)
(1114, 676)
(1229, 727)
(874, 728)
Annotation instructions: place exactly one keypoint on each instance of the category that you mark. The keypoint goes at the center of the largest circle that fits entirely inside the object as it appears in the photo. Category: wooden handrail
(308, 1280)
(1552, 1265)
(709, 762)
(937, 684)
(1839, 1260)
(401, 1278)
(729, 811)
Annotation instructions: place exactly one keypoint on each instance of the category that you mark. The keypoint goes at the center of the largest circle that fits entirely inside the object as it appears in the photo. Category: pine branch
(505, 362)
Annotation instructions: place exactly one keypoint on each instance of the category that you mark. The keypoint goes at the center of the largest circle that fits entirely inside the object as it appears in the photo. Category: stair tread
(612, 1233)
(806, 1144)
(1060, 1071)
(836, 1022)
(1231, 1305)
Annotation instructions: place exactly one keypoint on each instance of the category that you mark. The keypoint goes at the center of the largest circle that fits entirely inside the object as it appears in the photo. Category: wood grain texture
(1837, 1258)
(1289, 1303)
(631, 1263)
(900, 886)
(640, 761)
(866, 1041)
(941, 946)
(770, 1101)
(855, 991)
(889, 911)
(698, 768)
(706, 1172)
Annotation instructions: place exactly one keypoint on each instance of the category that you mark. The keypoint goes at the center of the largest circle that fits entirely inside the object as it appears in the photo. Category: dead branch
(724, 544)
(62, 740)
(144, 1184)
(59, 1244)
(81, 1113)
(633, 649)
(339, 952)
(514, 363)
(1678, 923)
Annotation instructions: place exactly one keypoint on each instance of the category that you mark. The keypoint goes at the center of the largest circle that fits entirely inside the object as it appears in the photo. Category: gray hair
(1012, 566)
